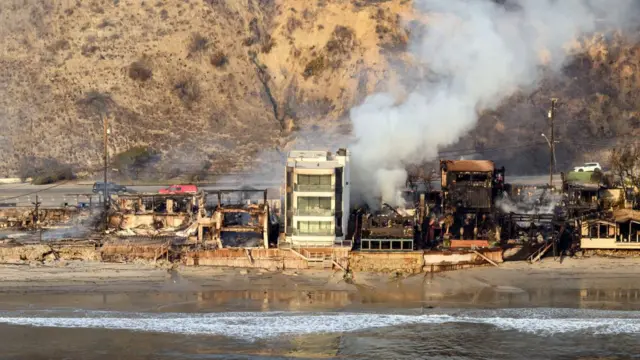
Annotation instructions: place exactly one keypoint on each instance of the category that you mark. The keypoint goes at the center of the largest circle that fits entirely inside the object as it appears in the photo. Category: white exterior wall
(303, 164)
(346, 191)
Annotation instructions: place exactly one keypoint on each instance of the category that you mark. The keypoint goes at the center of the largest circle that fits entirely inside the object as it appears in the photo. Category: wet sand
(83, 310)
(575, 283)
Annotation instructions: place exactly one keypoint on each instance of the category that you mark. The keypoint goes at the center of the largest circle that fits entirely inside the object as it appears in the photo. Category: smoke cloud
(478, 53)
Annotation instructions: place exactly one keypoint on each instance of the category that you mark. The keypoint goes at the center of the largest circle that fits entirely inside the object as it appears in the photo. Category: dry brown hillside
(224, 80)
(598, 109)
(221, 79)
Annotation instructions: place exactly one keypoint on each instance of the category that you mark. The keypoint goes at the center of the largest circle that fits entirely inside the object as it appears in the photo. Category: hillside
(194, 79)
(598, 108)
(226, 80)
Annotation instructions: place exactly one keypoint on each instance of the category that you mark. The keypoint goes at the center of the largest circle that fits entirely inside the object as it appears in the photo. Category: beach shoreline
(599, 283)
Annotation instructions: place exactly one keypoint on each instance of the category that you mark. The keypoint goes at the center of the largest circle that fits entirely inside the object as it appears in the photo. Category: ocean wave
(261, 325)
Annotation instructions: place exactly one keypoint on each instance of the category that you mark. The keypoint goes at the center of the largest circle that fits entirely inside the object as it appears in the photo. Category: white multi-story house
(316, 198)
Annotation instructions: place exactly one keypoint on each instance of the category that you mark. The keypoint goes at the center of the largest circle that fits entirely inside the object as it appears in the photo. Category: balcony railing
(315, 212)
(300, 232)
(386, 245)
(313, 188)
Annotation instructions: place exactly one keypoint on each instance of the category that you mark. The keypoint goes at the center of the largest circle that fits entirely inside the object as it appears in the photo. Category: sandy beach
(93, 310)
(581, 282)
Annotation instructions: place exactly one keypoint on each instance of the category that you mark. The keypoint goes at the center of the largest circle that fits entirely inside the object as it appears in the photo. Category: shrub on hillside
(51, 176)
(202, 173)
(133, 162)
(267, 44)
(44, 171)
(343, 40)
(140, 70)
(314, 67)
(198, 43)
(95, 104)
(188, 90)
(219, 59)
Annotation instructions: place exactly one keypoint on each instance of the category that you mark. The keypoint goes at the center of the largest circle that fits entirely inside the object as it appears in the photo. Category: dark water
(525, 333)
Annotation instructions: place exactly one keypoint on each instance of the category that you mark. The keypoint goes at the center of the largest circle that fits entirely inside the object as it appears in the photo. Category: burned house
(470, 185)
(237, 219)
(392, 228)
(469, 192)
(147, 214)
(316, 204)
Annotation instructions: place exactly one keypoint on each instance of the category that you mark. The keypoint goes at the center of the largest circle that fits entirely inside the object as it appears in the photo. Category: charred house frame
(469, 191)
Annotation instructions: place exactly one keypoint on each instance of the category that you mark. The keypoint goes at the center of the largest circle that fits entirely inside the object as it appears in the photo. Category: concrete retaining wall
(444, 258)
(406, 262)
(123, 251)
(254, 258)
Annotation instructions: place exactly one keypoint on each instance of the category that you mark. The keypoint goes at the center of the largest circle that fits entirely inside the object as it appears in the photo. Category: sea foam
(261, 325)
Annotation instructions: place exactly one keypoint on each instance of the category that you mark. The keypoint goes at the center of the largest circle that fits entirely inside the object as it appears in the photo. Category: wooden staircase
(318, 260)
(315, 259)
(538, 254)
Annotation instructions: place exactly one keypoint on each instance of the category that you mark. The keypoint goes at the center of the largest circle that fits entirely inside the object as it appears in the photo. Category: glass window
(314, 179)
(313, 203)
(314, 226)
(603, 231)
(325, 180)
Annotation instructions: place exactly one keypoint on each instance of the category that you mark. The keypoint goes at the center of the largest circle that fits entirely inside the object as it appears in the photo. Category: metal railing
(299, 232)
(386, 245)
(314, 212)
(313, 188)
(298, 245)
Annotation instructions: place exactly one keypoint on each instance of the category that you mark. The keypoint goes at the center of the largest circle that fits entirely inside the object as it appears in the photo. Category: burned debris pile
(476, 208)
(236, 218)
(466, 209)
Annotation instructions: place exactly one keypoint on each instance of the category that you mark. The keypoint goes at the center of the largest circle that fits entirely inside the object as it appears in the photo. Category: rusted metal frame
(226, 191)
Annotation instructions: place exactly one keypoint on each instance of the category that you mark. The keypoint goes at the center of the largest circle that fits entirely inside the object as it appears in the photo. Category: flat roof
(314, 164)
(469, 165)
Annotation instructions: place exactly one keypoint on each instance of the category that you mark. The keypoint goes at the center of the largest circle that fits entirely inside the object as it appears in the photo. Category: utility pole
(105, 194)
(36, 216)
(552, 143)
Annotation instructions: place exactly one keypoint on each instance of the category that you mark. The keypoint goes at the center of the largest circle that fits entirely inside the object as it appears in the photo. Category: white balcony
(313, 188)
(314, 212)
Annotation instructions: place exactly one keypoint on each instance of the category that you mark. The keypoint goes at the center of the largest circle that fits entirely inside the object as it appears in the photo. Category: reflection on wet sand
(292, 300)
(215, 300)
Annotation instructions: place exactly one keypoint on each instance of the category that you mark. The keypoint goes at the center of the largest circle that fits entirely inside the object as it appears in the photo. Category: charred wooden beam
(255, 229)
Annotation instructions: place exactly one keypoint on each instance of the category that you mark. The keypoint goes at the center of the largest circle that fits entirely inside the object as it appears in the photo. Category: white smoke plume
(478, 53)
(537, 203)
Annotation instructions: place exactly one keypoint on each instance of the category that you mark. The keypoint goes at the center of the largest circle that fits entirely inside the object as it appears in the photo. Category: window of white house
(311, 204)
(315, 227)
(314, 180)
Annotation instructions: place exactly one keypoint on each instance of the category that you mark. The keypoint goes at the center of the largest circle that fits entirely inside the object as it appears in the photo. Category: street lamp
(546, 138)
